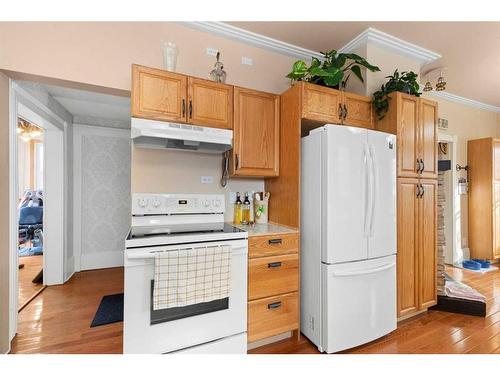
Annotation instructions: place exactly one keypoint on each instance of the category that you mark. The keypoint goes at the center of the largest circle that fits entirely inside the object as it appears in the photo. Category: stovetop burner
(147, 231)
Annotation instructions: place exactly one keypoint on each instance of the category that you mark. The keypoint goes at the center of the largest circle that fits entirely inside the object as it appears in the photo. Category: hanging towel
(189, 276)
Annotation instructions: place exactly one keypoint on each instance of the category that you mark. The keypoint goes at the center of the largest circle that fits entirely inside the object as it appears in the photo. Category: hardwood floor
(32, 265)
(430, 332)
(58, 321)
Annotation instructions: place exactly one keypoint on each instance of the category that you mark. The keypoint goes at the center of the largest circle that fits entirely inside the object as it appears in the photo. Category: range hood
(185, 137)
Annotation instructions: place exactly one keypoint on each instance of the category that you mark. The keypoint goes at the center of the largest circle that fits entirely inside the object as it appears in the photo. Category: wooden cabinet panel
(157, 94)
(407, 246)
(270, 276)
(321, 103)
(496, 160)
(210, 103)
(262, 246)
(496, 220)
(359, 110)
(428, 137)
(407, 136)
(272, 316)
(256, 133)
(427, 259)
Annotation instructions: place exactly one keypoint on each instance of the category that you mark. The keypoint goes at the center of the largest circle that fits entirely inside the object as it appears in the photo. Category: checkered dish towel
(191, 275)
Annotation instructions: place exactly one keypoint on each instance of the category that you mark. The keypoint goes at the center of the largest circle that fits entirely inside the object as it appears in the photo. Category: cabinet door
(359, 110)
(496, 160)
(256, 133)
(427, 251)
(407, 247)
(157, 94)
(407, 136)
(321, 103)
(210, 103)
(496, 220)
(428, 137)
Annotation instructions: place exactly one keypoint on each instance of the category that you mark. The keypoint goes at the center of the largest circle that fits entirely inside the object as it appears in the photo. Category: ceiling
(469, 49)
(108, 110)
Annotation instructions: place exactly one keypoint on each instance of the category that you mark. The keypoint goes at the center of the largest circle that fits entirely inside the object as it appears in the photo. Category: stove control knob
(142, 202)
(206, 203)
(156, 202)
(216, 203)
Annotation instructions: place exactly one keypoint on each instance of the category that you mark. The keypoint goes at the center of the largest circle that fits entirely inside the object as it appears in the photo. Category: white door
(344, 194)
(382, 193)
(359, 302)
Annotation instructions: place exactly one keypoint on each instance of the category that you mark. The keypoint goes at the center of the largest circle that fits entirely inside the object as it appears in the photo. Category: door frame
(23, 104)
(456, 244)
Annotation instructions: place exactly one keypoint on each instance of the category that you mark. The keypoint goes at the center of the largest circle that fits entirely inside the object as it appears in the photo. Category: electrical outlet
(246, 60)
(232, 197)
(212, 51)
(207, 179)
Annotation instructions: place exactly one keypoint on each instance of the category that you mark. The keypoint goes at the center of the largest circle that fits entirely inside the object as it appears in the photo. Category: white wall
(102, 195)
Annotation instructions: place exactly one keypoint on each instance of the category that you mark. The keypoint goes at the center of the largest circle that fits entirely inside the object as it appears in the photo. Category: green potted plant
(334, 71)
(405, 82)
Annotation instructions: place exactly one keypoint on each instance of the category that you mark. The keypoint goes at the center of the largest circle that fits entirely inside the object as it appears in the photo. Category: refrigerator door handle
(373, 187)
(364, 271)
(366, 189)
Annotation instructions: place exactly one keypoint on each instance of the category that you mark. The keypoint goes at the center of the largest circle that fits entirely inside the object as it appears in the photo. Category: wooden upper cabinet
(210, 103)
(157, 94)
(256, 133)
(408, 136)
(496, 160)
(358, 110)
(427, 251)
(321, 104)
(407, 216)
(428, 138)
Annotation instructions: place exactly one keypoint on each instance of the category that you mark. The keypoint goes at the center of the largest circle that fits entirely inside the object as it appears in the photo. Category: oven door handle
(151, 253)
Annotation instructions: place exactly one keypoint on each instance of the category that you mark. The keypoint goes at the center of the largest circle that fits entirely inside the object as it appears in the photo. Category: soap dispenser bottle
(237, 209)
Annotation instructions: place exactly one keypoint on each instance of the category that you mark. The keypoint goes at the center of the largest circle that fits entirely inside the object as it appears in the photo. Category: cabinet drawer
(272, 316)
(261, 246)
(270, 276)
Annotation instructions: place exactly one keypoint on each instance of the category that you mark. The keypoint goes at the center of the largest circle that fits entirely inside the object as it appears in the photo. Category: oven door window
(174, 313)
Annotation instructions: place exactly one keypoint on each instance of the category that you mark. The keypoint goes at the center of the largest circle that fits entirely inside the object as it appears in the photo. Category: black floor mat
(110, 310)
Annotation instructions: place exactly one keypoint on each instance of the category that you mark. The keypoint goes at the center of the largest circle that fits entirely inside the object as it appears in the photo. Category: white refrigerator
(348, 236)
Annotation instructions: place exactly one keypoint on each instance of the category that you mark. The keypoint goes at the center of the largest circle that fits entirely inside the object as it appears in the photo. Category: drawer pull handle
(274, 265)
(274, 305)
(275, 241)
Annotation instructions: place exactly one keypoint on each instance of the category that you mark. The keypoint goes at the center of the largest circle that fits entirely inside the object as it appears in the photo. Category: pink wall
(100, 53)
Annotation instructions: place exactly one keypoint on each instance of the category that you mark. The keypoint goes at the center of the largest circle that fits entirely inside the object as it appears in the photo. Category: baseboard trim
(269, 340)
(411, 315)
(95, 261)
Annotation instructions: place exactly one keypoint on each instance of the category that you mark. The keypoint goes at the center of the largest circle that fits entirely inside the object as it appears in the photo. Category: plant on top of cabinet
(334, 71)
(405, 82)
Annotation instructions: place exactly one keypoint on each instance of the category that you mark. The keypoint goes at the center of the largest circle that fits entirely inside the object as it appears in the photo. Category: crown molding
(465, 101)
(371, 35)
(258, 40)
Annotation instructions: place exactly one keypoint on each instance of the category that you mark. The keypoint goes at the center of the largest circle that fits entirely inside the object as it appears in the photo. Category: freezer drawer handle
(275, 241)
(364, 272)
(274, 305)
(274, 265)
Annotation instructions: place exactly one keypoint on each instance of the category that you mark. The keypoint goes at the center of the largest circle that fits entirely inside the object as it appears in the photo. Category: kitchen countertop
(265, 229)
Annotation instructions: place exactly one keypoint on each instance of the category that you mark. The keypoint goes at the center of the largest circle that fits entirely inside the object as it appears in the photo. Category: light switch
(207, 179)
(246, 60)
(212, 51)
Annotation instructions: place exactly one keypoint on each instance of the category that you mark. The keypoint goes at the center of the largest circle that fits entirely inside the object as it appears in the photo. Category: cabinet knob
(274, 265)
(237, 161)
(274, 305)
(190, 108)
(275, 241)
(183, 107)
(345, 111)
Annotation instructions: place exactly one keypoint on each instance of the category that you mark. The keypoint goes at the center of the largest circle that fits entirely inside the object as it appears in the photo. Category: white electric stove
(163, 222)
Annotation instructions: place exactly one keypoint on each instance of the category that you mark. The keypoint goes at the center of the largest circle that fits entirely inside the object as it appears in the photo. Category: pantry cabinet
(330, 106)
(256, 134)
(483, 160)
(414, 121)
(166, 96)
(417, 256)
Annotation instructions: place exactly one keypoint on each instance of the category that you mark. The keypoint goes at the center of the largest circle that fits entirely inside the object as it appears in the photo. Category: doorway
(30, 164)
(447, 151)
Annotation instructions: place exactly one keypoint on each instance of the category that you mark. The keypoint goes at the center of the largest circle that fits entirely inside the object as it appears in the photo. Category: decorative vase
(170, 52)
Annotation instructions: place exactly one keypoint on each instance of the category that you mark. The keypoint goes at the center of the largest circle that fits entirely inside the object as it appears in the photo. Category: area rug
(110, 310)
(482, 270)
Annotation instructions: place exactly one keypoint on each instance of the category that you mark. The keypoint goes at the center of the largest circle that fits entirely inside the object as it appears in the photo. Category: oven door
(142, 333)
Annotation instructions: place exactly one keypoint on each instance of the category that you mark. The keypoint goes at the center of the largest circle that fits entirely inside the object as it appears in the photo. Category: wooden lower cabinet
(417, 250)
(273, 285)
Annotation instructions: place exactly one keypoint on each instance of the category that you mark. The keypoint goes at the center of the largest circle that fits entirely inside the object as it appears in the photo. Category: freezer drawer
(359, 302)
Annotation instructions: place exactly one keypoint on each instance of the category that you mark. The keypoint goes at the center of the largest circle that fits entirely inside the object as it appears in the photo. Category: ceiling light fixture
(435, 74)
(428, 86)
(27, 131)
